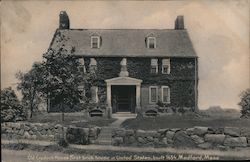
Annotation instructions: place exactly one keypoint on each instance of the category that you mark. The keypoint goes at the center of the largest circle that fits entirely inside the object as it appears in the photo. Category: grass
(78, 119)
(184, 121)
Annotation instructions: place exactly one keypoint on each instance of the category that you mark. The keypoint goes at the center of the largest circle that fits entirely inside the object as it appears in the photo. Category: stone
(117, 141)
(197, 139)
(141, 140)
(165, 141)
(190, 131)
(92, 132)
(200, 131)
(31, 132)
(129, 132)
(150, 138)
(140, 133)
(26, 128)
(152, 134)
(43, 132)
(181, 139)
(156, 141)
(175, 129)
(214, 130)
(26, 135)
(162, 131)
(120, 132)
(245, 132)
(49, 132)
(235, 141)
(170, 134)
(205, 145)
(21, 132)
(131, 139)
(215, 138)
(232, 131)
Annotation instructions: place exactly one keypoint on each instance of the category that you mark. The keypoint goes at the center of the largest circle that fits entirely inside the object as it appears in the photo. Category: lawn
(184, 121)
(77, 119)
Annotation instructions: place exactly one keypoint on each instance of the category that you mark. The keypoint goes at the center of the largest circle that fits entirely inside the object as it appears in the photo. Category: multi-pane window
(93, 65)
(165, 94)
(151, 42)
(95, 42)
(165, 66)
(94, 94)
(153, 94)
(81, 65)
(154, 66)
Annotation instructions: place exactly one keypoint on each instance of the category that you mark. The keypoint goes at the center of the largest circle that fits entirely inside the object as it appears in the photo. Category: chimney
(179, 23)
(64, 20)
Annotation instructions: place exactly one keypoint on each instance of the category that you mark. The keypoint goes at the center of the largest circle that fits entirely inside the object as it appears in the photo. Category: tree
(245, 103)
(64, 77)
(11, 109)
(32, 85)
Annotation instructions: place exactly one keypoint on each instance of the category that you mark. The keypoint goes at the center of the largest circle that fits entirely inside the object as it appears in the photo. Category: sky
(219, 30)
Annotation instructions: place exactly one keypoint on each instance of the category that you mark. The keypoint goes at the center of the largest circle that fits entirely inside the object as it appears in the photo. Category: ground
(183, 121)
(24, 152)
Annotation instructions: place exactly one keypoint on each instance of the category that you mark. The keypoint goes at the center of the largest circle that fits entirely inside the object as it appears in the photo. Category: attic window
(151, 42)
(95, 42)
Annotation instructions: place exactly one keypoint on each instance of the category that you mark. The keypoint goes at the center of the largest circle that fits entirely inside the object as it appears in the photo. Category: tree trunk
(31, 102)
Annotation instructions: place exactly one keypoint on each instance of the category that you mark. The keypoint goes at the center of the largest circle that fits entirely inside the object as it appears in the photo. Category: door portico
(124, 81)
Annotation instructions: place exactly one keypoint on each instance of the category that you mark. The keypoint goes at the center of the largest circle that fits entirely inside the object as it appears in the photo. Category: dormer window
(151, 42)
(95, 42)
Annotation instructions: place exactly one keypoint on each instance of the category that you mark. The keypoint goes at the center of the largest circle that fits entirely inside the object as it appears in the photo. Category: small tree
(32, 85)
(11, 109)
(245, 103)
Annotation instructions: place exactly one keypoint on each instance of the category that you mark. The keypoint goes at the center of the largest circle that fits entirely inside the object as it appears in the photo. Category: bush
(11, 109)
(245, 103)
(62, 142)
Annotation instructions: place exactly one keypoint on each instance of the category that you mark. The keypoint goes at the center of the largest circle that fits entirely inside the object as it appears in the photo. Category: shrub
(11, 109)
(62, 142)
(245, 103)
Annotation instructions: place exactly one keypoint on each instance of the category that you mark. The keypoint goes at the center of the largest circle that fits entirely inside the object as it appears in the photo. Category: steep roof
(125, 42)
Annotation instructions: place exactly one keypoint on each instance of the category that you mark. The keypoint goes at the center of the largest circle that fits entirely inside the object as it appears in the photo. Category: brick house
(135, 68)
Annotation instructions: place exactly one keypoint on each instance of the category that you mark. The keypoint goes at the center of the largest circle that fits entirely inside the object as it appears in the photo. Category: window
(93, 65)
(94, 94)
(165, 66)
(81, 90)
(165, 93)
(153, 94)
(154, 66)
(151, 42)
(82, 66)
(95, 42)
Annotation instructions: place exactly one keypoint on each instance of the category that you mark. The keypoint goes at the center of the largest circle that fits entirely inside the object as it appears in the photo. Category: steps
(104, 137)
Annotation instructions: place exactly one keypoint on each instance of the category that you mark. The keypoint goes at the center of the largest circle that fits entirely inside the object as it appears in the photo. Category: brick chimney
(179, 23)
(64, 20)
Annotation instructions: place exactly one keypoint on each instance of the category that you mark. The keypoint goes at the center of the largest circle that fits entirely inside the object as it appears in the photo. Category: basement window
(154, 66)
(153, 94)
(95, 42)
(165, 93)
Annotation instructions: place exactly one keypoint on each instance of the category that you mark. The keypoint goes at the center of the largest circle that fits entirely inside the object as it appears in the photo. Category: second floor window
(95, 42)
(93, 65)
(154, 66)
(165, 66)
(151, 42)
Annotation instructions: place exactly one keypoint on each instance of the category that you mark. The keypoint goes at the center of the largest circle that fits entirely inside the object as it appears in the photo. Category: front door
(123, 98)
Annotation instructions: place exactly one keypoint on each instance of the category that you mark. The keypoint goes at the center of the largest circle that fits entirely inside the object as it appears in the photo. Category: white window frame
(162, 97)
(98, 41)
(168, 72)
(96, 94)
(148, 38)
(150, 97)
(154, 65)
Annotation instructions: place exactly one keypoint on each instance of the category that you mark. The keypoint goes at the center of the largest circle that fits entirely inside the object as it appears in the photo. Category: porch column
(109, 98)
(138, 97)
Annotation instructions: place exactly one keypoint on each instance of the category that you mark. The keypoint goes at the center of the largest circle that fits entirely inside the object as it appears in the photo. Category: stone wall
(197, 137)
(51, 132)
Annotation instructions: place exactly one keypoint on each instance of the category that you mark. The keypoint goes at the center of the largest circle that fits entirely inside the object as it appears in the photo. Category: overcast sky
(219, 31)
